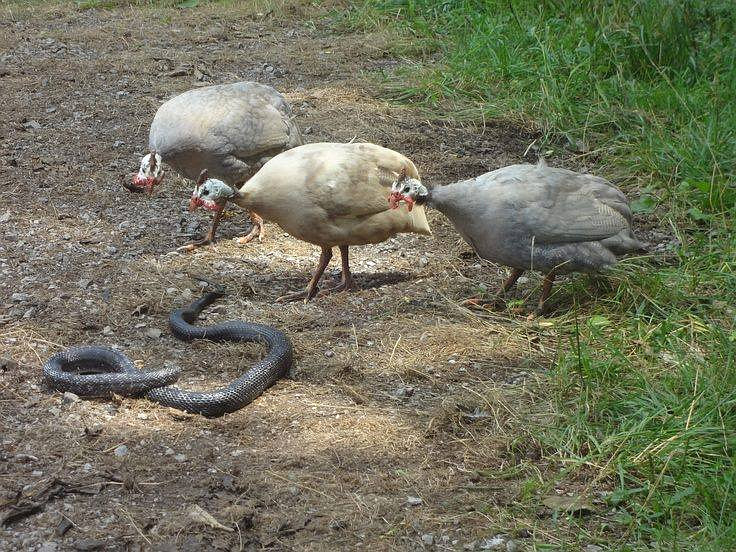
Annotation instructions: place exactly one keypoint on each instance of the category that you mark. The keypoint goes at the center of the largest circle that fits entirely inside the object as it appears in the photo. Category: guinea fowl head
(149, 175)
(408, 190)
(210, 193)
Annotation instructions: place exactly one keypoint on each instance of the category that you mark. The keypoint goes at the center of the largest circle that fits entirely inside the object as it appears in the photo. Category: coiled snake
(100, 371)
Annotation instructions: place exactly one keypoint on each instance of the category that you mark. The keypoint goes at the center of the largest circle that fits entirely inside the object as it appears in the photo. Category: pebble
(180, 457)
(69, 397)
(495, 543)
(329, 353)
(153, 333)
(428, 539)
(169, 451)
(121, 451)
(48, 547)
(19, 297)
(413, 500)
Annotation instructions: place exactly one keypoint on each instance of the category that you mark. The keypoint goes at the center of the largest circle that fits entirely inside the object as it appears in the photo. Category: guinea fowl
(327, 194)
(229, 129)
(533, 217)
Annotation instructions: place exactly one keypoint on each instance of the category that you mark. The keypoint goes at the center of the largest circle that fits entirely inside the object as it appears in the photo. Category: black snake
(100, 371)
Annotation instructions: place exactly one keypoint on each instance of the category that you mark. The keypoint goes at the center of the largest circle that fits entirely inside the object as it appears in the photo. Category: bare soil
(404, 414)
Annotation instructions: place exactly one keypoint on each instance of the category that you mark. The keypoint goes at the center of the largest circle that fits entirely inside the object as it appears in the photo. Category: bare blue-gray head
(408, 190)
(212, 194)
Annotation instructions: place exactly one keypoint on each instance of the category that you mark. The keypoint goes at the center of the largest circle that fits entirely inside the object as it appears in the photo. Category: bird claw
(292, 297)
(477, 302)
(256, 231)
(195, 245)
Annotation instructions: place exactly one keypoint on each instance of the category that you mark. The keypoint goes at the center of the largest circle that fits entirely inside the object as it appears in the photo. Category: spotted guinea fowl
(327, 194)
(533, 217)
(229, 129)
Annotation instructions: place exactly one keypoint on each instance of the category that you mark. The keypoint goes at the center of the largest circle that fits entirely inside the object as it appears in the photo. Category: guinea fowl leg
(549, 279)
(257, 230)
(311, 291)
(346, 281)
(507, 285)
(209, 238)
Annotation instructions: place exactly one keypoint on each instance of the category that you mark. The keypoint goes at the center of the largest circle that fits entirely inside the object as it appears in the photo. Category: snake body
(101, 371)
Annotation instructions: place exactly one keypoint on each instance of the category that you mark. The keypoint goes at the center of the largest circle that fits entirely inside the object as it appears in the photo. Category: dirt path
(398, 396)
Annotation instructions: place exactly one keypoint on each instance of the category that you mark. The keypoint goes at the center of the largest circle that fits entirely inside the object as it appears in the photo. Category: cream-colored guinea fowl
(229, 129)
(327, 194)
(533, 217)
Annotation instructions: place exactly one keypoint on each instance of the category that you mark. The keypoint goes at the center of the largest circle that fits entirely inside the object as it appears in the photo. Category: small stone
(87, 467)
(423, 261)
(50, 109)
(142, 416)
(69, 397)
(495, 543)
(153, 333)
(413, 500)
(117, 143)
(35, 125)
(428, 539)
(169, 451)
(48, 547)
(19, 297)
(180, 457)
(84, 283)
(329, 353)
(107, 330)
(37, 473)
(121, 451)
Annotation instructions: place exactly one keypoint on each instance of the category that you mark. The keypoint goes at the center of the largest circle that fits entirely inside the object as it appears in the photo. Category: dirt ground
(401, 423)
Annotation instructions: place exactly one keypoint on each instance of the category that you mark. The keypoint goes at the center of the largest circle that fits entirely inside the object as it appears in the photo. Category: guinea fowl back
(534, 216)
(231, 129)
(333, 194)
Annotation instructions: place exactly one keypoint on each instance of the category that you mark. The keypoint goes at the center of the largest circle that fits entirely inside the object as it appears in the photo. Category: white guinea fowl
(229, 129)
(533, 217)
(327, 194)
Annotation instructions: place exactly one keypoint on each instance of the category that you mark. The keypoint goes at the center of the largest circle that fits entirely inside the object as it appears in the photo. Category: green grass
(643, 392)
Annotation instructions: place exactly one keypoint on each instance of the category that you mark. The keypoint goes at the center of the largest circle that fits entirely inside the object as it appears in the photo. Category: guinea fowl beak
(127, 181)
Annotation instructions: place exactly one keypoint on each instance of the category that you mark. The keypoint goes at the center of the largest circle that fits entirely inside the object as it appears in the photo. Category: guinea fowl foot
(256, 232)
(344, 285)
(477, 302)
(305, 295)
(195, 245)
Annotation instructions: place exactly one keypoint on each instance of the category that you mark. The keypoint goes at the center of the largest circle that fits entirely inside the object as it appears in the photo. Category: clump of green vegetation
(645, 390)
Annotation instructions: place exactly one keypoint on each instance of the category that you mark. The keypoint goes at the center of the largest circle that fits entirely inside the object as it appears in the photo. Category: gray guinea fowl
(231, 130)
(534, 217)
